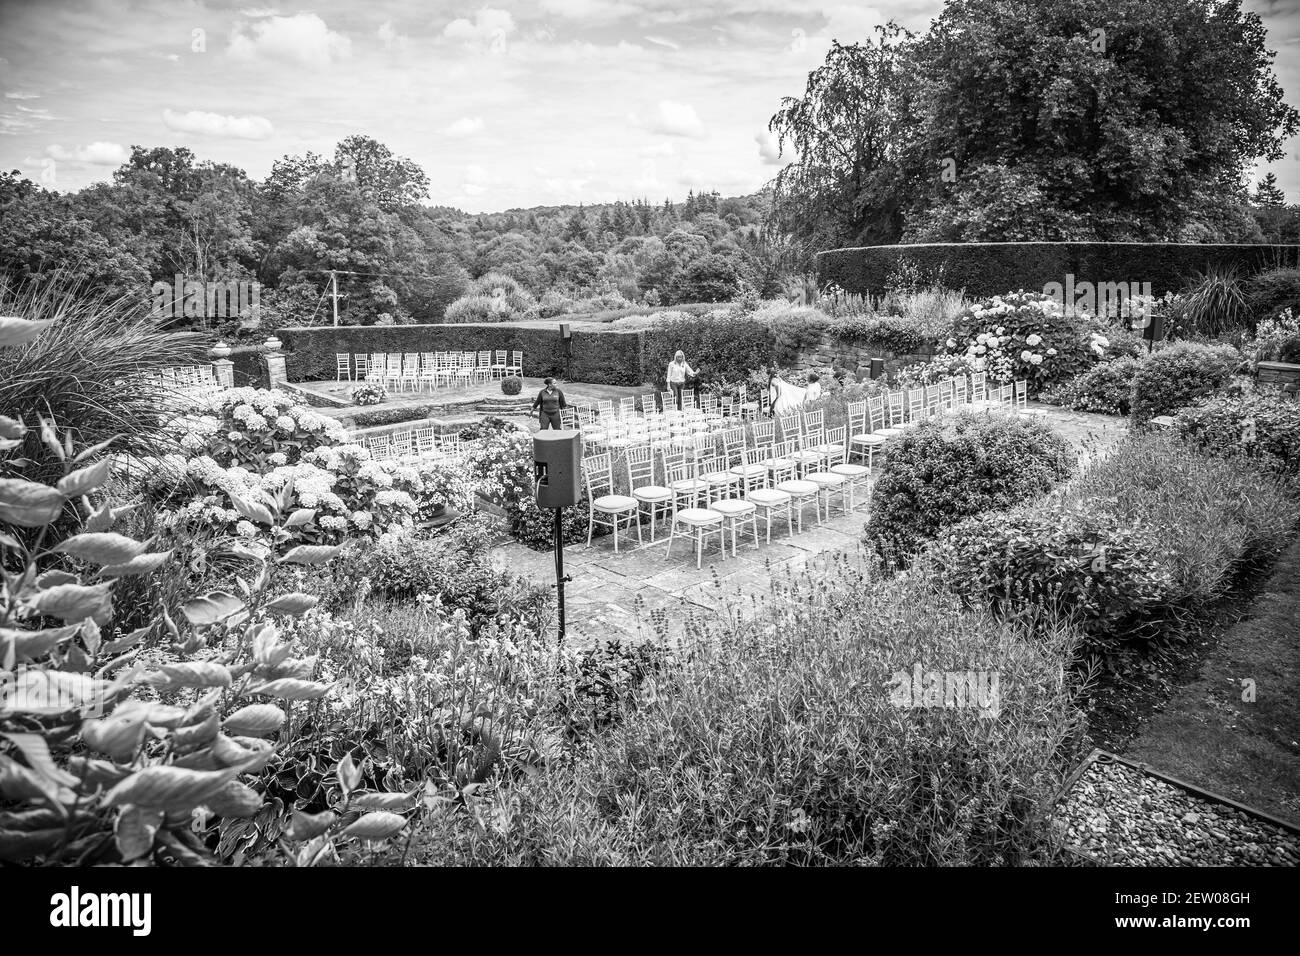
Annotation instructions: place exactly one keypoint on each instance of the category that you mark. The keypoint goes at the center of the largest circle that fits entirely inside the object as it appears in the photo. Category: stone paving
(616, 596)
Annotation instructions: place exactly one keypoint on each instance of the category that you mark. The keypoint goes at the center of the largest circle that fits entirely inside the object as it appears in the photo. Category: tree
(711, 278)
(1131, 119)
(844, 134)
(391, 181)
(1268, 193)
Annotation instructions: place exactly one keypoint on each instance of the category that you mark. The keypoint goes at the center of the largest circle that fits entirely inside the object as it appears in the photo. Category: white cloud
(214, 124)
(18, 95)
(465, 126)
(677, 119)
(472, 189)
(769, 148)
(488, 24)
(477, 174)
(588, 10)
(302, 38)
(660, 41)
(389, 36)
(658, 149)
(96, 154)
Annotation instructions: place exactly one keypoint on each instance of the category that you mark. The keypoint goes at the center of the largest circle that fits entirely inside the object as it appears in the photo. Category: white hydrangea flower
(1033, 339)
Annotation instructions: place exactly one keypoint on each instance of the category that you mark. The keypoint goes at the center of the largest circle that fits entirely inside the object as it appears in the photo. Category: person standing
(678, 370)
(547, 404)
(814, 389)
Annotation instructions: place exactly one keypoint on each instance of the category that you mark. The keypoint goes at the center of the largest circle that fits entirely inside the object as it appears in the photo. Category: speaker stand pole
(559, 566)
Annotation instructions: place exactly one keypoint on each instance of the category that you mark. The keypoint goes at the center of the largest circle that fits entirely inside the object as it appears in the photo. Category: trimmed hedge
(993, 268)
(603, 357)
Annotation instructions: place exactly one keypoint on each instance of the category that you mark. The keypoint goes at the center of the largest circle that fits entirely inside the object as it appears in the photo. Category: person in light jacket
(814, 390)
(678, 370)
(547, 404)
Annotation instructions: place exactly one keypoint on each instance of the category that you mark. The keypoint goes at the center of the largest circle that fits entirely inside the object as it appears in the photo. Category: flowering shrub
(367, 393)
(1270, 338)
(252, 427)
(1107, 387)
(1025, 335)
(936, 474)
(937, 369)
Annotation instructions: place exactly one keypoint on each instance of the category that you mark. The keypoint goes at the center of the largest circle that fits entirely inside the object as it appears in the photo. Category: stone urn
(221, 351)
(272, 344)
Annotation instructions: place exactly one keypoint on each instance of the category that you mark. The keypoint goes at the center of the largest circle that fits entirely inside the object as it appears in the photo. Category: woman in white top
(814, 389)
(678, 369)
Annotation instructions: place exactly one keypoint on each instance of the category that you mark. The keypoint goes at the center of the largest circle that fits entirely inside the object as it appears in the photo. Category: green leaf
(300, 517)
(76, 602)
(37, 753)
(15, 330)
(135, 830)
(255, 720)
(102, 547)
(308, 826)
(379, 825)
(190, 674)
(28, 504)
(211, 608)
(140, 564)
(294, 604)
(252, 511)
(29, 645)
(85, 480)
(169, 788)
(311, 554)
(287, 688)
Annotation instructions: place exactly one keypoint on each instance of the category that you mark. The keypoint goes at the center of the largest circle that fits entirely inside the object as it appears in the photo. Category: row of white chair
(416, 443)
(415, 371)
(707, 493)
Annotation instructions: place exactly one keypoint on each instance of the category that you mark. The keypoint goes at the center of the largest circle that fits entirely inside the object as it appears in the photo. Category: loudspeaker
(557, 467)
(877, 367)
(565, 331)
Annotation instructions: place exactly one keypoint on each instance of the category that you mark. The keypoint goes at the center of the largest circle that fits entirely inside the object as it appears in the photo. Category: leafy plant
(1178, 374)
(368, 393)
(1213, 304)
(1262, 426)
(512, 385)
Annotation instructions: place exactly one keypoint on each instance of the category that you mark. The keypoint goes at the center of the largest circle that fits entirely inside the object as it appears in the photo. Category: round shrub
(1106, 574)
(512, 385)
(1178, 374)
(1107, 388)
(938, 473)
(1260, 425)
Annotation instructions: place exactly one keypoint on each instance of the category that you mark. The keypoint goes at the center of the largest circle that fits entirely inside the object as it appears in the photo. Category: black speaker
(565, 331)
(877, 367)
(557, 466)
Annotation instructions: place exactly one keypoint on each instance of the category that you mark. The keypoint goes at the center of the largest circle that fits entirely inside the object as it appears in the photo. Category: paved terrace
(613, 596)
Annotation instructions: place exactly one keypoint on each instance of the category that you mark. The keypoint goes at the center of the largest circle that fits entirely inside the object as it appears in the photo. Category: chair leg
(591, 527)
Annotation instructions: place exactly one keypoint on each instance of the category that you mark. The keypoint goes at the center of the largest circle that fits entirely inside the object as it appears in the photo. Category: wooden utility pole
(334, 294)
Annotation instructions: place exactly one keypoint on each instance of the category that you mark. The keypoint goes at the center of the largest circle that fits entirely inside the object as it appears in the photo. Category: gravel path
(1123, 817)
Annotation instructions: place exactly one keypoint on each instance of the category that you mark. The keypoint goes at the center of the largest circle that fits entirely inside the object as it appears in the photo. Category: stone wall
(832, 353)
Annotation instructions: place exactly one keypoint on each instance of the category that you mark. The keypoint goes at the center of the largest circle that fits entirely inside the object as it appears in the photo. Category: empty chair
(798, 489)
(779, 462)
(424, 441)
(830, 482)
(735, 510)
(343, 367)
(691, 521)
(607, 509)
(627, 407)
(855, 476)
(866, 424)
(500, 363)
(483, 366)
(768, 501)
(361, 363)
(516, 366)
(641, 480)
(811, 452)
(411, 371)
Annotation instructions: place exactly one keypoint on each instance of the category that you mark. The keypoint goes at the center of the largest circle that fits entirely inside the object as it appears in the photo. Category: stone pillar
(274, 361)
(223, 370)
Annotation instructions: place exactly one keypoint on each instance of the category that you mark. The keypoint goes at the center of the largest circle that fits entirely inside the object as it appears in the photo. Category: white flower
(951, 343)
(246, 529)
(1033, 339)
(1051, 351)
(1035, 360)
(1025, 355)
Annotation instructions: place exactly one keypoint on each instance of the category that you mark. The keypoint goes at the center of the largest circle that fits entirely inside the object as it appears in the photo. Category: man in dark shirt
(548, 402)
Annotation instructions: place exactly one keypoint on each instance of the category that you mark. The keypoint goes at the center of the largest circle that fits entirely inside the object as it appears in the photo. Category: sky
(504, 105)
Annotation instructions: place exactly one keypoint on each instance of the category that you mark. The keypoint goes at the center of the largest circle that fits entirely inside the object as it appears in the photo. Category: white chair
(864, 418)
(768, 501)
(500, 363)
(516, 366)
(362, 363)
(641, 480)
(608, 509)
(735, 510)
(342, 367)
(696, 523)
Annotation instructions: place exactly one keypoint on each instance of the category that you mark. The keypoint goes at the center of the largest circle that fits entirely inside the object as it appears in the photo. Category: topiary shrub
(1259, 425)
(512, 385)
(1178, 374)
(1106, 388)
(938, 473)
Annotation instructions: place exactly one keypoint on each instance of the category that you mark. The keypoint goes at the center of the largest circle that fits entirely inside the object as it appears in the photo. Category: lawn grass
(1208, 736)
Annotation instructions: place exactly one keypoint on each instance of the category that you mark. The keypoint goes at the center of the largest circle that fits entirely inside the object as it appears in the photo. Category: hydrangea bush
(367, 393)
(253, 427)
(1025, 335)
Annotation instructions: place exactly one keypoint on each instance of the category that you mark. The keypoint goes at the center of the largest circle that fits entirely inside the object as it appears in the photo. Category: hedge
(603, 357)
(991, 268)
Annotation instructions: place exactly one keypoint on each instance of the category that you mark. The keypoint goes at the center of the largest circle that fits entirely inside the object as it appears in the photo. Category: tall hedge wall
(603, 357)
(991, 268)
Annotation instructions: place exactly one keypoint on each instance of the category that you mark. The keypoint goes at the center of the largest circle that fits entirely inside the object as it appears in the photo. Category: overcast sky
(504, 105)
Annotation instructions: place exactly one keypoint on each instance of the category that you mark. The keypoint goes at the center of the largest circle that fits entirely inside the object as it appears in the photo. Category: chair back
(597, 471)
